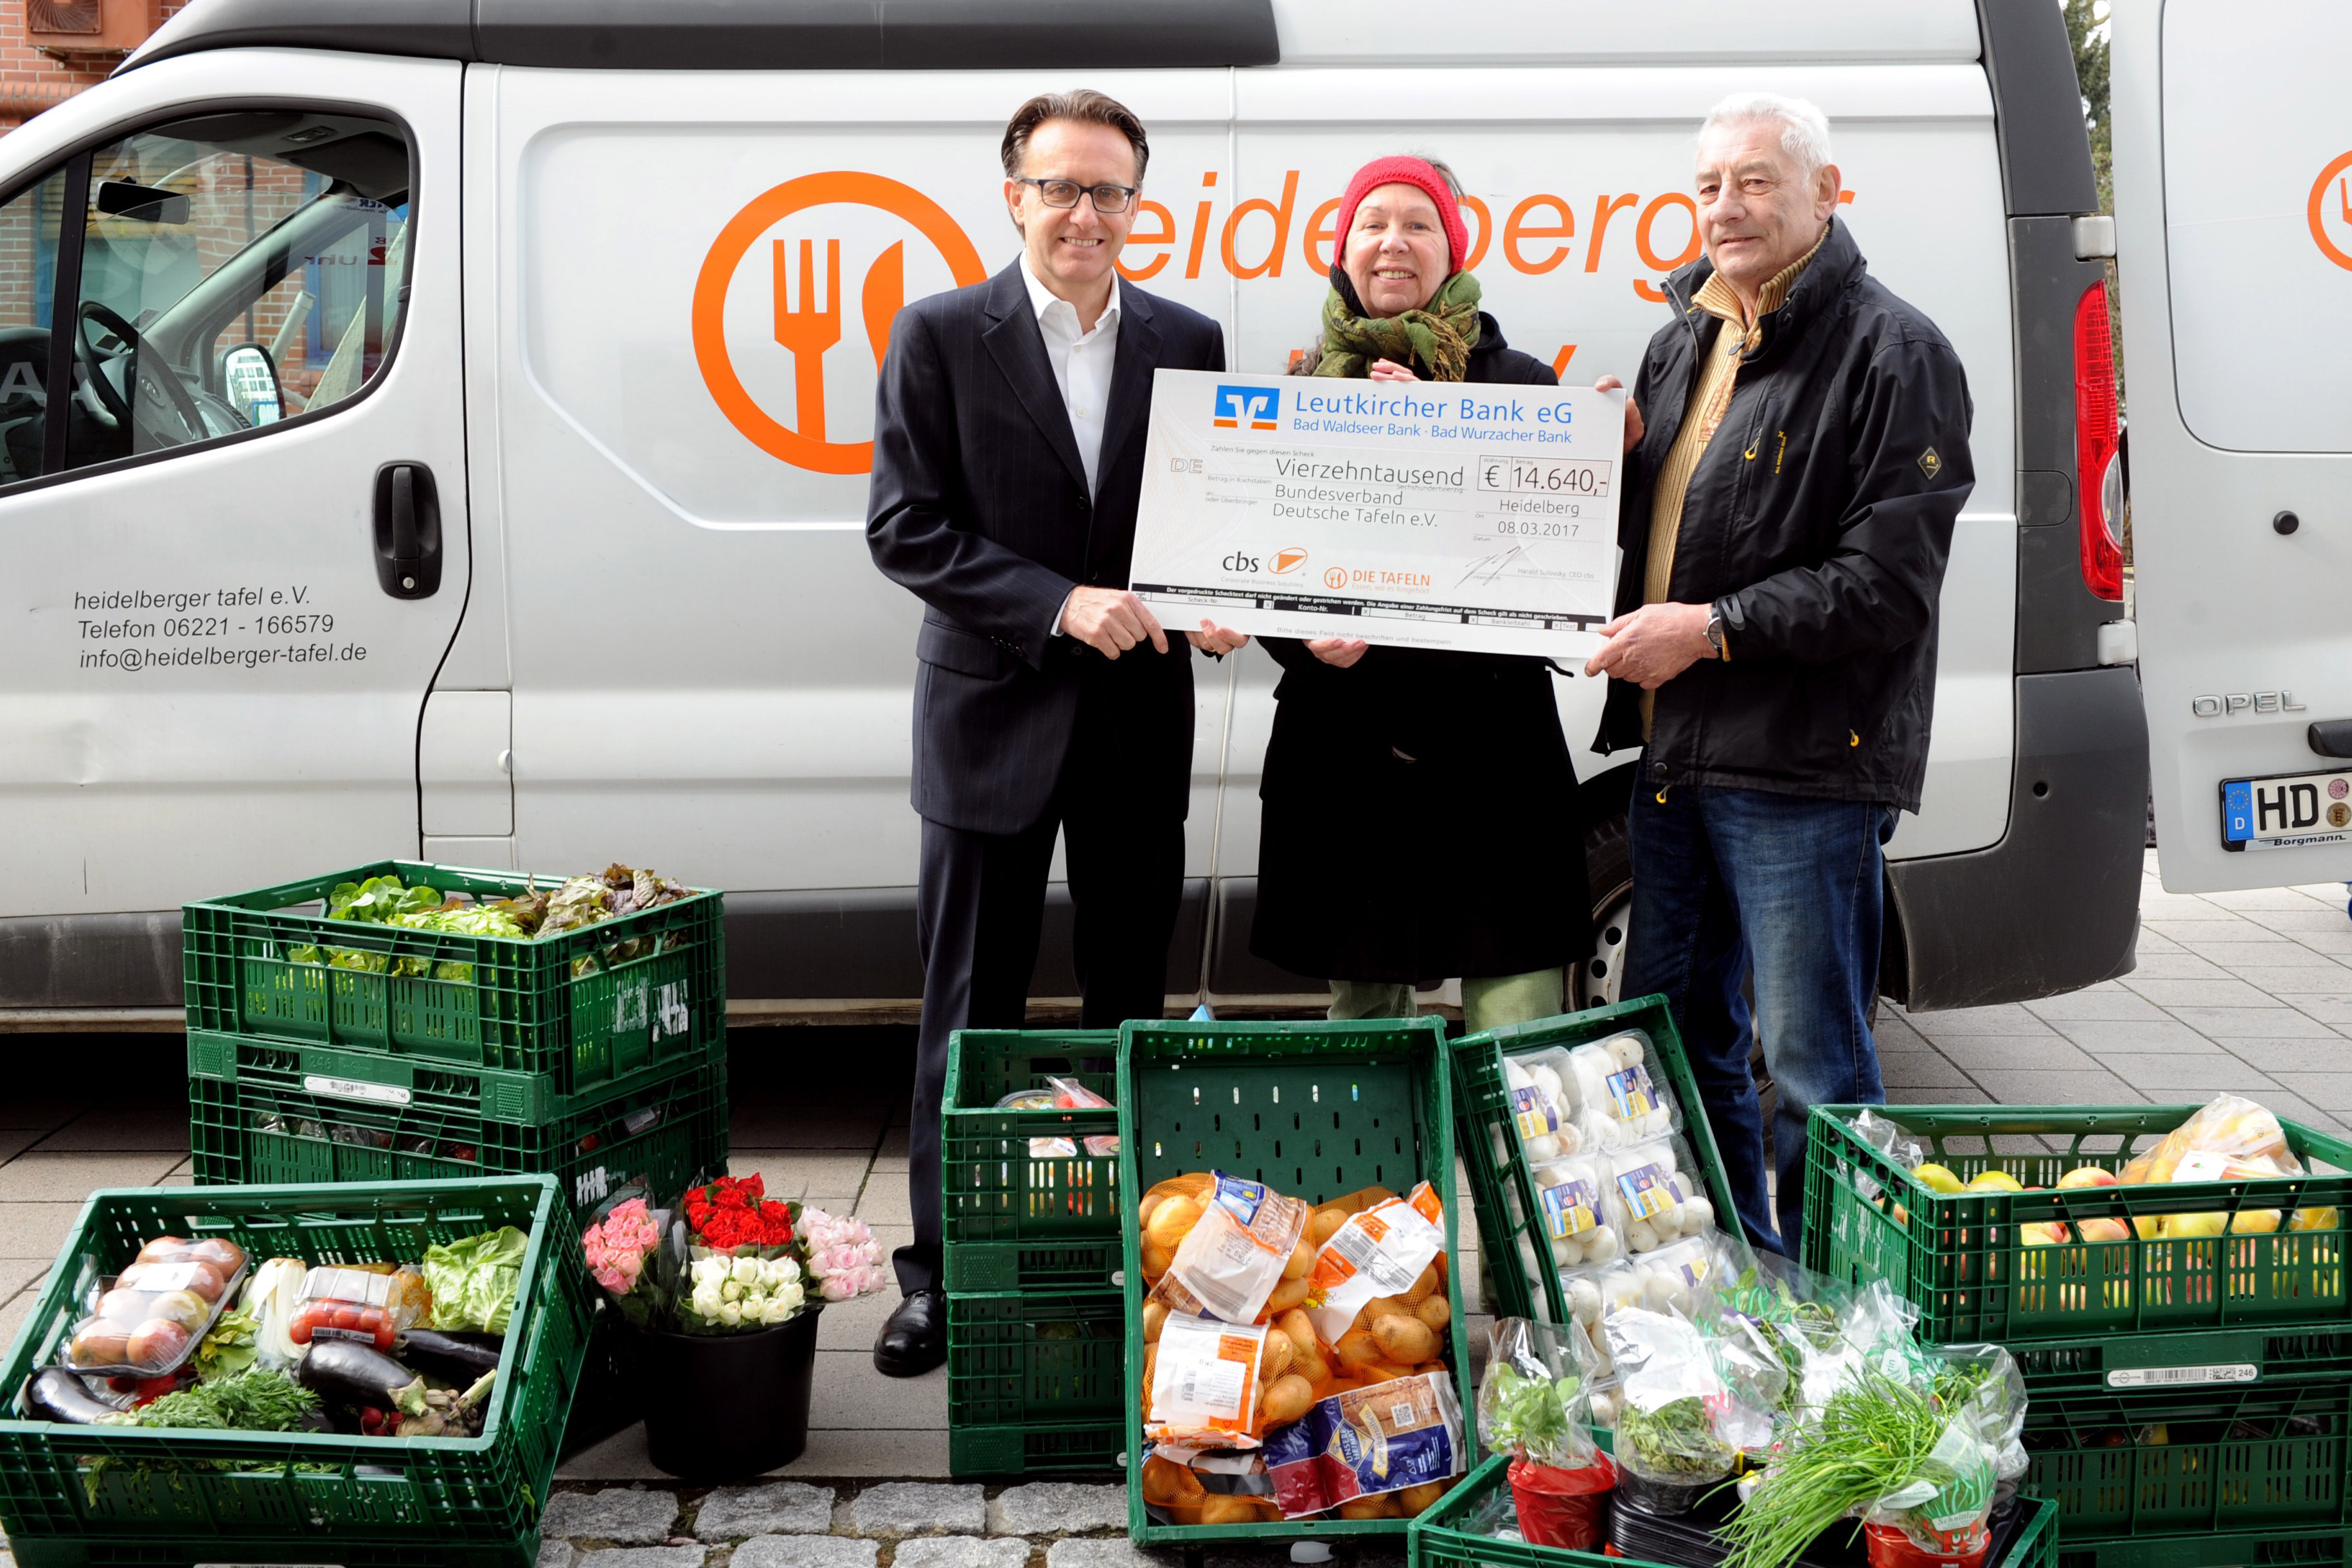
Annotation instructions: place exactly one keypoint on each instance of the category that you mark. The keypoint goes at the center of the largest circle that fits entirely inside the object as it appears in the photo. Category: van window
(28, 277)
(237, 271)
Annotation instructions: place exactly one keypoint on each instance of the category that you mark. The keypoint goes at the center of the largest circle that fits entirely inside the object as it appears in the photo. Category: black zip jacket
(1817, 523)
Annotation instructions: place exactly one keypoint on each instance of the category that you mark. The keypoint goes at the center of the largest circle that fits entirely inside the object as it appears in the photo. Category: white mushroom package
(1542, 1113)
(1653, 1194)
(1571, 1200)
(1616, 1101)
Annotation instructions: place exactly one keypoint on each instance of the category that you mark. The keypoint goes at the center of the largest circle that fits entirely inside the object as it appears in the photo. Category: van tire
(1593, 979)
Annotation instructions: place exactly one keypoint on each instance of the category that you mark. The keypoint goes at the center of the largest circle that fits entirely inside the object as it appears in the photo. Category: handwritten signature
(1488, 568)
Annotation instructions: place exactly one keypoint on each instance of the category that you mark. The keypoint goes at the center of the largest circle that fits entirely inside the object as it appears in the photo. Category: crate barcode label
(2178, 1376)
(671, 1015)
(353, 1089)
(590, 1187)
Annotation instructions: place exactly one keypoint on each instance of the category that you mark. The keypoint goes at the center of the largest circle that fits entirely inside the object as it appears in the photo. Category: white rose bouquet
(742, 1292)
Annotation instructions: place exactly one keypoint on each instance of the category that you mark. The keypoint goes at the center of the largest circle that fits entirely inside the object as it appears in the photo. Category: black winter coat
(1420, 815)
(1817, 523)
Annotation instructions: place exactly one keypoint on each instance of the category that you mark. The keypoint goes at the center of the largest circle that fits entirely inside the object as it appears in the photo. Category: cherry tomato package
(356, 1304)
(148, 1319)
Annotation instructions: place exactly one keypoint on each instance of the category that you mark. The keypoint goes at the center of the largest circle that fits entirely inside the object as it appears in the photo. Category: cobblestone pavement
(2249, 992)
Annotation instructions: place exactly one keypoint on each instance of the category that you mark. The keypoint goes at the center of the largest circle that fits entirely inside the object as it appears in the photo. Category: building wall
(31, 82)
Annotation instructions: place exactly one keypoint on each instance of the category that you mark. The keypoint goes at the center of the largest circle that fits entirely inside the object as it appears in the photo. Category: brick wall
(30, 80)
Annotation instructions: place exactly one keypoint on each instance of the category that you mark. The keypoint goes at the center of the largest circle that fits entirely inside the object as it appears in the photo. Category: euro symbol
(1493, 470)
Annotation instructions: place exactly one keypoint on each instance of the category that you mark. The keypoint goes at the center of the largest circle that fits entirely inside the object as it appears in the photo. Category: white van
(467, 409)
(2233, 218)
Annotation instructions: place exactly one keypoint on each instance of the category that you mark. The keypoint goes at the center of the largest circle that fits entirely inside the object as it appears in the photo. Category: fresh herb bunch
(1875, 1437)
(1676, 1440)
(1529, 1415)
(242, 1401)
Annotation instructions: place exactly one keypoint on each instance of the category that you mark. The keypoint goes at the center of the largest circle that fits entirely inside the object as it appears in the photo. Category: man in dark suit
(1008, 457)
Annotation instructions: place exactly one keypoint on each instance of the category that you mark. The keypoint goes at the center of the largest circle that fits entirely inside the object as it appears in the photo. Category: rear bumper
(2054, 906)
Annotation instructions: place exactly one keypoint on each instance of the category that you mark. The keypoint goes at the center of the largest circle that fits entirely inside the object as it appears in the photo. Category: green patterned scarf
(1438, 338)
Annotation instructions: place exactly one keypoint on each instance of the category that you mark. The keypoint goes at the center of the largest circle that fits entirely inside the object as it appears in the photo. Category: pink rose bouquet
(844, 1258)
(615, 1247)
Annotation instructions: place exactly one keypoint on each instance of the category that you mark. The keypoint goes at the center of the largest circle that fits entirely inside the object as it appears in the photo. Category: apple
(2190, 1226)
(2148, 1226)
(2255, 1222)
(1938, 1178)
(2103, 1230)
(2042, 1234)
(1996, 1181)
(2086, 1176)
(2312, 1219)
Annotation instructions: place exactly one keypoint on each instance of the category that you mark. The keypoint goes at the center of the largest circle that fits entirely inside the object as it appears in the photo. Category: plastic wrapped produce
(1616, 1101)
(1654, 1195)
(1542, 1112)
(1684, 1419)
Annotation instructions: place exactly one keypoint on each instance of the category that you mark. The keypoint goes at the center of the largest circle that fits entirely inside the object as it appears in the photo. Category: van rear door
(2233, 202)
(233, 538)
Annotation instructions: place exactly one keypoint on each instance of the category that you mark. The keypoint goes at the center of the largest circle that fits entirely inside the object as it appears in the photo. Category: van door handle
(407, 530)
(2331, 737)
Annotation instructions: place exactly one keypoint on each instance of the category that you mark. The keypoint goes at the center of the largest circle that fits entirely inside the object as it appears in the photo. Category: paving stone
(624, 1516)
(646, 1557)
(779, 1507)
(554, 1553)
(961, 1552)
(1115, 1553)
(916, 1508)
(1057, 1508)
(807, 1552)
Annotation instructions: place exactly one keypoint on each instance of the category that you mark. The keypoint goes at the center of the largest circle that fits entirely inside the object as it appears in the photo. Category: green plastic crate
(2196, 1358)
(582, 1009)
(1514, 1253)
(2193, 1462)
(1023, 1362)
(1316, 1110)
(467, 1501)
(1044, 1449)
(1961, 1261)
(2300, 1548)
(271, 1126)
(376, 1078)
(1446, 1536)
(1011, 1220)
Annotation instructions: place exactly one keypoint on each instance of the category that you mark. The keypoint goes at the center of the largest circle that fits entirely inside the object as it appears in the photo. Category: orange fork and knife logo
(2331, 198)
(807, 306)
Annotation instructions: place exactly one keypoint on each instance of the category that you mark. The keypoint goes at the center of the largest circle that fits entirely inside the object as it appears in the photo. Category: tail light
(2098, 478)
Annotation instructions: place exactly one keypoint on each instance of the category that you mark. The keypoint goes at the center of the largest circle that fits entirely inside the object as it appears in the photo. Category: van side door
(233, 529)
(2234, 214)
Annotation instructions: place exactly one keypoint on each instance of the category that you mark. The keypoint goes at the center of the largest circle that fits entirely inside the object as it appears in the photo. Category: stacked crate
(325, 1050)
(1036, 1328)
(2190, 1397)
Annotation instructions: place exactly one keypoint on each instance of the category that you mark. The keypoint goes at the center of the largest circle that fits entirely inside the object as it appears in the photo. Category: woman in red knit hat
(1420, 816)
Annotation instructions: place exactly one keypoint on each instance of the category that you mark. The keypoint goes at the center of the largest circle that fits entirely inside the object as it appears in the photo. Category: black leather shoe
(915, 1340)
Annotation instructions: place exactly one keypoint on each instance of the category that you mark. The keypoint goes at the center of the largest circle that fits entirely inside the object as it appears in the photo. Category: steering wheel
(117, 402)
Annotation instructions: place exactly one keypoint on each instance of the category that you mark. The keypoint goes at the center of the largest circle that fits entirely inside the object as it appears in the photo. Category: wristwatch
(1715, 633)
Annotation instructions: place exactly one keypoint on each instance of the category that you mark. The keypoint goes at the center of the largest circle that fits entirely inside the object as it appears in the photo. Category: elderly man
(1788, 512)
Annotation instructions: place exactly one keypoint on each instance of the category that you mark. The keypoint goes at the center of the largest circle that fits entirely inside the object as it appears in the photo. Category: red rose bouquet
(734, 1215)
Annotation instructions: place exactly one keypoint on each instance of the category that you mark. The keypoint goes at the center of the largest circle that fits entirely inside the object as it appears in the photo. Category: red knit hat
(1406, 172)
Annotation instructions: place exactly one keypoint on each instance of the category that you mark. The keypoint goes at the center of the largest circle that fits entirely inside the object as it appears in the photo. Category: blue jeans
(1726, 880)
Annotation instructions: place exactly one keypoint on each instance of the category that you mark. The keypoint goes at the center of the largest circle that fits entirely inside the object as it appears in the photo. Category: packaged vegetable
(1821, 1330)
(1541, 1111)
(354, 1304)
(1532, 1401)
(1064, 1094)
(1654, 1195)
(474, 1280)
(1690, 1404)
(1382, 1251)
(148, 1321)
(1570, 1199)
(1246, 1238)
(1618, 1103)
(272, 1297)
(1203, 1384)
(1400, 1437)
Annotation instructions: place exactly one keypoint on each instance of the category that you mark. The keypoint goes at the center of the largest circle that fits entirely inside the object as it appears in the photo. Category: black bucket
(726, 1407)
(611, 1398)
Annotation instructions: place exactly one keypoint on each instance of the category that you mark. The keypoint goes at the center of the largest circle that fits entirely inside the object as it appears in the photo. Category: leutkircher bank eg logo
(1254, 406)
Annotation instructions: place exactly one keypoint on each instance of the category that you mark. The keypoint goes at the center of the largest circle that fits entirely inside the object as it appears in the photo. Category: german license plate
(2286, 811)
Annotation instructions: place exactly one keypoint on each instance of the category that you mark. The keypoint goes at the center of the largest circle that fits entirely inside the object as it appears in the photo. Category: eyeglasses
(1065, 193)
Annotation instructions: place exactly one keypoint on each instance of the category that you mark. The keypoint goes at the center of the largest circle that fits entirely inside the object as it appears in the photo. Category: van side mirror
(249, 383)
(142, 204)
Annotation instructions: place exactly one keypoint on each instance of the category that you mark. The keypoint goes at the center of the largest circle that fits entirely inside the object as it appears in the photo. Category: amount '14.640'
(1587, 477)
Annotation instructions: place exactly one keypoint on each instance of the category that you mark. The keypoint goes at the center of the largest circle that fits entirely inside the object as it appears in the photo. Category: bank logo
(1287, 560)
(1255, 406)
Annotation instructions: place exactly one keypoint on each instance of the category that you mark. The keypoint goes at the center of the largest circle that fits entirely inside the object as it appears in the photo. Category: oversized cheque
(1428, 514)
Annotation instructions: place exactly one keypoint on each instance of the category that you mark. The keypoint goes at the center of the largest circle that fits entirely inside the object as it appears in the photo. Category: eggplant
(345, 1371)
(56, 1394)
(457, 1356)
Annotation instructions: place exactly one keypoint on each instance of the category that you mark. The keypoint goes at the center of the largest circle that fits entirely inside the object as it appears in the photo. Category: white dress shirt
(1081, 362)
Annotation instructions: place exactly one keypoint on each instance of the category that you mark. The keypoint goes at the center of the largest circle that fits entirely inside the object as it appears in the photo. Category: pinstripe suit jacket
(978, 505)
